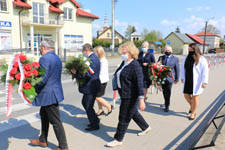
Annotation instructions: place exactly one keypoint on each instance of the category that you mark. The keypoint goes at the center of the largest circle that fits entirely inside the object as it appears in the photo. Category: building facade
(25, 23)
(212, 39)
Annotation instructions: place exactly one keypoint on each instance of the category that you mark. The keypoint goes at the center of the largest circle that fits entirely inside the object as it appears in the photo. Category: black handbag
(114, 82)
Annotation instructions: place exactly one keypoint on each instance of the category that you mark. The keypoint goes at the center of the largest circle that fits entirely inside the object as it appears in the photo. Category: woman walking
(104, 78)
(194, 75)
(131, 91)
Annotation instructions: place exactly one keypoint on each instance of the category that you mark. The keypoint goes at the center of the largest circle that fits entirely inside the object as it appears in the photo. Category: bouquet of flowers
(23, 72)
(158, 74)
(80, 64)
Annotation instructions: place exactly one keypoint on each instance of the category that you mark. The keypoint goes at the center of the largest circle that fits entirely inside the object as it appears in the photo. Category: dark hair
(87, 46)
(197, 51)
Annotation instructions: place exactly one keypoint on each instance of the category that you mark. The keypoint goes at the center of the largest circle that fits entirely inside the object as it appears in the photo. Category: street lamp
(206, 23)
(113, 25)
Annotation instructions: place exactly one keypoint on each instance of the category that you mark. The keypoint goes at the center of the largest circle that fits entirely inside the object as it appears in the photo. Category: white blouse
(104, 73)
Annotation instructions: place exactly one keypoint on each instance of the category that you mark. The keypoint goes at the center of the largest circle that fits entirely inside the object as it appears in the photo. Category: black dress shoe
(189, 111)
(166, 109)
(92, 128)
(110, 111)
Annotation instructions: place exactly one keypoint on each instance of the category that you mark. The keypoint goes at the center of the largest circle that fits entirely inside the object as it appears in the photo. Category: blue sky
(162, 15)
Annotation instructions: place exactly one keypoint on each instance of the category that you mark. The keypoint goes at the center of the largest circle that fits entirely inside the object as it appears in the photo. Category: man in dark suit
(91, 87)
(50, 93)
(173, 62)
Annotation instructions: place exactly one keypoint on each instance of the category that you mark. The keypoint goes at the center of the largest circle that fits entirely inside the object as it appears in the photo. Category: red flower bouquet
(158, 74)
(23, 68)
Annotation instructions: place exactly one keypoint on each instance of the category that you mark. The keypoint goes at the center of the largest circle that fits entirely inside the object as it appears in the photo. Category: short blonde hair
(131, 48)
(145, 44)
(99, 50)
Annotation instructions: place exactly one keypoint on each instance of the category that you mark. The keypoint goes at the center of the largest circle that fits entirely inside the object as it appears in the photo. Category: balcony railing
(47, 19)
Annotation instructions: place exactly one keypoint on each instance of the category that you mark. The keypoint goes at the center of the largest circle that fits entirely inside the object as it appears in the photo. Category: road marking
(16, 107)
(19, 121)
(2, 99)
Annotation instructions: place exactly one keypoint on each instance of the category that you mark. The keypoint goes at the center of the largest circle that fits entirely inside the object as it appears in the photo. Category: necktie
(166, 60)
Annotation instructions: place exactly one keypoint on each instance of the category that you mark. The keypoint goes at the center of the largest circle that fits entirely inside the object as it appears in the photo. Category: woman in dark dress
(145, 59)
(194, 75)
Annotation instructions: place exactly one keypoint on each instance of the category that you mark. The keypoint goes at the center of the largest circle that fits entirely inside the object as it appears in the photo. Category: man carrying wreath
(50, 93)
(91, 87)
(173, 62)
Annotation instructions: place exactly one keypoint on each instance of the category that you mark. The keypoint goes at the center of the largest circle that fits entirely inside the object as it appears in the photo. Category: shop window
(3, 5)
(68, 13)
(73, 42)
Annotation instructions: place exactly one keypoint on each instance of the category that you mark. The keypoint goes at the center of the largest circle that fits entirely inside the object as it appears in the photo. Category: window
(73, 42)
(38, 13)
(5, 40)
(108, 34)
(3, 5)
(68, 13)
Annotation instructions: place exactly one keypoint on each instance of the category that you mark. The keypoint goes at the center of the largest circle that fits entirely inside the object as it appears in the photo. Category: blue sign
(168, 42)
(5, 24)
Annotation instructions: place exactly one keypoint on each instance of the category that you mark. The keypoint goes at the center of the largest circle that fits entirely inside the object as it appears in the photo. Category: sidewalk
(168, 129)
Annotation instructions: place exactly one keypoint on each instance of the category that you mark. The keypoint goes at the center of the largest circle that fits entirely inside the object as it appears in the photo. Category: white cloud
(169, 23)
(96, 26)
(199, 9)
(120, 23)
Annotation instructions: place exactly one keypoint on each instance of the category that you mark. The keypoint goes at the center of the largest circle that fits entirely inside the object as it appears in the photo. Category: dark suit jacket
(173, 63)
(50, 88)
(148, 58)
(93, 84)
(131, 80)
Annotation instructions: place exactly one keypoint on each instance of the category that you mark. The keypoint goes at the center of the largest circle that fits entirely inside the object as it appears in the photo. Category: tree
(153, 36)
(130, 29)
(211, 28)
(144, 33)
(177, 29)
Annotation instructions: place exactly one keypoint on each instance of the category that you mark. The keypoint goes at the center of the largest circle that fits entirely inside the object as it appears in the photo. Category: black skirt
(102, 92)
(188, 66)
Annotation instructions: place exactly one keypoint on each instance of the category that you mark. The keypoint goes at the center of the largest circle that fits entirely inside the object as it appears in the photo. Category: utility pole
(113, 26)
(206, 23)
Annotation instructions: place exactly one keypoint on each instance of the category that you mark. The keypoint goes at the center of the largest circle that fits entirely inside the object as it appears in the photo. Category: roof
(21, 4)
(207, 34)
(55, 9)
(82, 13)
(115, 32)
(182, 37)
(135, 33)
(197, 39)
(62, 1)
(158, 42)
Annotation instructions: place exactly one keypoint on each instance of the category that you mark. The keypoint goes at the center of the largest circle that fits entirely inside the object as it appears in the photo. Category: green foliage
(103, 43)
(138, 43)
(130, 29)
(3, 70)
(30, 94)
(153, 36)
(80, 64)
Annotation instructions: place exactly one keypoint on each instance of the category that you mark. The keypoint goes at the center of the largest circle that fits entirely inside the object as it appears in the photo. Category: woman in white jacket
(104, 78)
(194, 75)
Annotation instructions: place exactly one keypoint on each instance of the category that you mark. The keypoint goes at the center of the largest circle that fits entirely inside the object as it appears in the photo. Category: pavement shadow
(157, 109)
(24, 131)
(80, 122)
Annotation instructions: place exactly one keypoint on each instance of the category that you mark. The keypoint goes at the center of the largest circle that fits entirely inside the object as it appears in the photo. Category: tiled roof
(82, 13)
(196, 39)
(19, 3)
(207, 34)
(62, 1)
(183, 37)
(55, 9)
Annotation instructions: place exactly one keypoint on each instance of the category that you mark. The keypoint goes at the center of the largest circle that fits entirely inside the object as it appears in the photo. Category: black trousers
(88, 102)
(128, 111)
(50, 114)
(167, 92)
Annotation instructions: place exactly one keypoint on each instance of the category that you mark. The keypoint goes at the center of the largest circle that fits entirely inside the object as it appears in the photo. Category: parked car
(212, 51)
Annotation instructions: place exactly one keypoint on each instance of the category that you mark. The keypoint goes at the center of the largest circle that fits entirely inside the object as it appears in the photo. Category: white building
(212, 39)
(25, 23)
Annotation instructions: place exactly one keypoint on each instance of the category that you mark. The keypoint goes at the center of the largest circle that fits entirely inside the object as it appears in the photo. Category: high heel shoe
(101, 113)
(190, 118)
(110, 111)
(189, 112)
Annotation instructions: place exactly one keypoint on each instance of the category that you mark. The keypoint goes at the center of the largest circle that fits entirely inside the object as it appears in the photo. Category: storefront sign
(5, 24)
